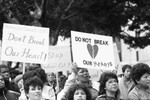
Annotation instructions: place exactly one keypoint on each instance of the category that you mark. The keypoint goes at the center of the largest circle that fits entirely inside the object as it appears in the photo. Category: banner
(59, 59)
(27, 44)
(92, 51)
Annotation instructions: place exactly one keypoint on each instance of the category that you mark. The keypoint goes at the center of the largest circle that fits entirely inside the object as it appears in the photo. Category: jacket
(8, 95)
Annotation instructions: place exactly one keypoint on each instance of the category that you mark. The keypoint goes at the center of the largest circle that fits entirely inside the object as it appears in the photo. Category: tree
(105, 17)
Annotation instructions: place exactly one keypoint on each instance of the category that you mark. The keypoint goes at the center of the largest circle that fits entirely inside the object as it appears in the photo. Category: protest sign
(92, 51)
(59, 59)
(27, 44)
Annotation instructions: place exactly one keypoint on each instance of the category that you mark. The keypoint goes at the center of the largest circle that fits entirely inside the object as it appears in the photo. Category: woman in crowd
(108, 87)
(33, 88)
(79, 76)
(79, 92)
(140, 74)
(6, 94)
(47, 92)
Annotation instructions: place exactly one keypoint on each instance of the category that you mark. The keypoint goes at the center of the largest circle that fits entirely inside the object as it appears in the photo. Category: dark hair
(36, 72)
(75, 87)
(105, 76)
(42, 74)
(29, 74)
(138, 71)
(125, 67)
(32, 81)
(3, 66)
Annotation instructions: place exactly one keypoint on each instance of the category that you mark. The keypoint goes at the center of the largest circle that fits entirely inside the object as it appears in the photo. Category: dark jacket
(12, 86)
(8, 95)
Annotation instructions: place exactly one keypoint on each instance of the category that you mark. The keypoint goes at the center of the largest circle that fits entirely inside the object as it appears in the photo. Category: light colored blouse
(139, 94)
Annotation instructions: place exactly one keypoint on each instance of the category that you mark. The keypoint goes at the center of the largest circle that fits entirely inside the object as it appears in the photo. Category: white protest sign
(92, 51)
(27, 44)
(59, 59)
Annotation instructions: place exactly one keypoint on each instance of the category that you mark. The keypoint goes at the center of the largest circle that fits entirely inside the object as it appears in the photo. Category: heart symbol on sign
(93, 50)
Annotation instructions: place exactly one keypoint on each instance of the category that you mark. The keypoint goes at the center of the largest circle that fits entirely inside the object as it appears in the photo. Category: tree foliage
(105, 17)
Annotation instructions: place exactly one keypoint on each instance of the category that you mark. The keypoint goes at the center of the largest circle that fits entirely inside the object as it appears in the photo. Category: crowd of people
(36, 84)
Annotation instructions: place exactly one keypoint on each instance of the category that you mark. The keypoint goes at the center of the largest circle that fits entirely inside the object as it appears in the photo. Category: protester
(4, 70)
(61, 80)
(47, 92)
(51, 78)
(6, 94)
(79, 76)
(33, 88)
(108, 87)
(79, 92)
(125, 83)
(140, 74)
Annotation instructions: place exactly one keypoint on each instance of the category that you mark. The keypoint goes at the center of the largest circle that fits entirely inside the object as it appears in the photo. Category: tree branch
(69, 6)
(67, 17)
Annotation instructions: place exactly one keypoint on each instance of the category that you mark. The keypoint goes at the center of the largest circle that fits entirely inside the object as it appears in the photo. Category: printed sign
(92, 51)
(59, 59)
(22, 43)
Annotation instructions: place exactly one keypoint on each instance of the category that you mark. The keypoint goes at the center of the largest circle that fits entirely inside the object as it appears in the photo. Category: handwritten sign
(92, 51)
(59, 59)
(22, 43)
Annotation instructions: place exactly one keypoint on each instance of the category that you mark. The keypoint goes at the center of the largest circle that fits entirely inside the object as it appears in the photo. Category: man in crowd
(6, 94)
(4, 70)
(125, 83)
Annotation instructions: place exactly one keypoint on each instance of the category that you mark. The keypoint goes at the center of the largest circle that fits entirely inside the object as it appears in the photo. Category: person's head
(108, 83)
(33, 88)
(79, 92)
(126, 70)
(51, 77)
(83, 75)
(2, 83)
(4, 70)
(140, 74)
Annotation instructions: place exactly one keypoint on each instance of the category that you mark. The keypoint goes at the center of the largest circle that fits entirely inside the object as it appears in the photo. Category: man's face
(5, 73)
(127, 73)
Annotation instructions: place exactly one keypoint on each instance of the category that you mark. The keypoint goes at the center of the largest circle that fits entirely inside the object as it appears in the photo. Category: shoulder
(133, 94)
(101, 97)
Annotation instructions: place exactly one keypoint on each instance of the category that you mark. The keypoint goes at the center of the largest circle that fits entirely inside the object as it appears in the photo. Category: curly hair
(105, 76)
(42, 74)
(75, 87)
(32, 81)
(138, 71)
(37, 72)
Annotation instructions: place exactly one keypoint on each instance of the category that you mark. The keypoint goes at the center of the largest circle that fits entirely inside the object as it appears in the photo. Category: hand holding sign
(74, 68)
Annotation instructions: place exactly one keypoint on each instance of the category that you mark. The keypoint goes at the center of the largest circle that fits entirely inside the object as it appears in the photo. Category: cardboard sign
(92, 51)
(59, 59)
(22, 43)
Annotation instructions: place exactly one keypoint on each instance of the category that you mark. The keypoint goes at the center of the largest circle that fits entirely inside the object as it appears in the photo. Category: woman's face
(144, 80)
(50, 77)
(111, 85)
(79, 95)
(35, 93)
(2, 83)
(83, 75)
